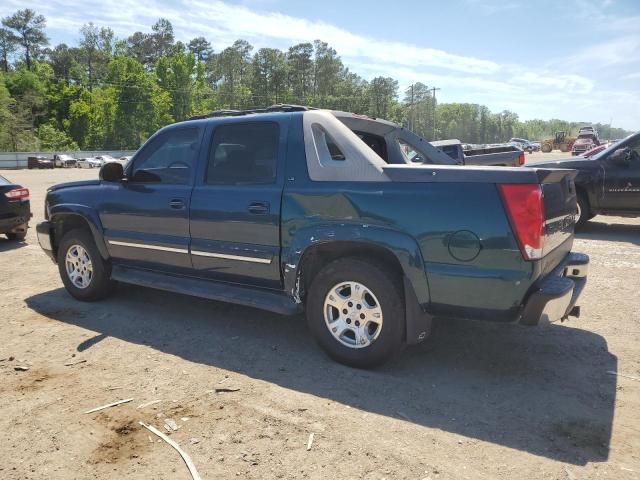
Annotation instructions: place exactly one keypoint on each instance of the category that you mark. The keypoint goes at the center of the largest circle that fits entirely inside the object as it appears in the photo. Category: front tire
(85, 274)
(355, 311)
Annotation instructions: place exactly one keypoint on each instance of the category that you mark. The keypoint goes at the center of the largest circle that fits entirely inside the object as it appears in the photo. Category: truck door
(235, 206)
(146, 216)
(622, 181)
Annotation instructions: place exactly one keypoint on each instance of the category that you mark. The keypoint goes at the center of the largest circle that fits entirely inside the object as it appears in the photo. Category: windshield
(612, 147)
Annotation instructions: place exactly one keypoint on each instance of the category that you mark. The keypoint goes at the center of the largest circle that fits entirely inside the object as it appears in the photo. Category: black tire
(100, 284)
(584, 211)
(18, 236)
(386, 289)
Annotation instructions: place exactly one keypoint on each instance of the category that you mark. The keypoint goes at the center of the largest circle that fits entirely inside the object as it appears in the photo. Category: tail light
(17, 194)
(521, 159)
(525, 209)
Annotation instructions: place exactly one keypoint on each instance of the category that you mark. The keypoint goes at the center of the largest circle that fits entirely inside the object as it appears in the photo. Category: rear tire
(20, 235)
(584, 211)
(355, 311)
(85, 274)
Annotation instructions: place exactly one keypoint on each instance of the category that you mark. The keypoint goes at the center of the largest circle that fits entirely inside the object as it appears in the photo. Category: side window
(327, 147)
(168, 158)
(244, 153)
(411, 153)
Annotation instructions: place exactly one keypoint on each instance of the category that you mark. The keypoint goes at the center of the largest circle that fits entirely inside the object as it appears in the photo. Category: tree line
(112, 93)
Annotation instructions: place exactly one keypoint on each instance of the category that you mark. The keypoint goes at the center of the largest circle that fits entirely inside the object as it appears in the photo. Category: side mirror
(111, 172)
(621, 156)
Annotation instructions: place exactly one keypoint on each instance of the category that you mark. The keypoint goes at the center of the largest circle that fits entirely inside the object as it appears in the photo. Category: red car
(593, 151)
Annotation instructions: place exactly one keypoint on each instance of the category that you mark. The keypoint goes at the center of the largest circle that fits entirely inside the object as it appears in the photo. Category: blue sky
(571, 59)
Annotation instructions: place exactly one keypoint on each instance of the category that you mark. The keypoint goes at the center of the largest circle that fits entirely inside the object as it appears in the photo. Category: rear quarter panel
(437, 220)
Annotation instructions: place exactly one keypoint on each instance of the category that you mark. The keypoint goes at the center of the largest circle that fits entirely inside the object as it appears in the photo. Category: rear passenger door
(235, 205)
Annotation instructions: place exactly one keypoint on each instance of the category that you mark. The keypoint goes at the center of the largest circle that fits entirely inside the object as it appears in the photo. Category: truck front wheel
(85, 274)
(356, 313)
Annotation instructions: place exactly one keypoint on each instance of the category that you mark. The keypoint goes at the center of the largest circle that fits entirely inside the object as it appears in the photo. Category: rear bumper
(43, 230)
(555, 296)
(12, 224)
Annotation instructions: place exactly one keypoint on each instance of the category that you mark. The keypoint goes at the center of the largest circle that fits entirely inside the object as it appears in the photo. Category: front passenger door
(146, 216)
(622, 181)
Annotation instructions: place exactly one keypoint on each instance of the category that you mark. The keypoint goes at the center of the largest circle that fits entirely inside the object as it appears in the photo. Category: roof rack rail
(280, 107)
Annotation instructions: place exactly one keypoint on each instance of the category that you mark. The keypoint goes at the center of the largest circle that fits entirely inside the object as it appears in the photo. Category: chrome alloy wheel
(578, 213)
(79, 266)
(353, 314)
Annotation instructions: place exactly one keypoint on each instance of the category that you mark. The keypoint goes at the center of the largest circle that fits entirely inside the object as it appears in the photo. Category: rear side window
(244, 153)
(169, 158)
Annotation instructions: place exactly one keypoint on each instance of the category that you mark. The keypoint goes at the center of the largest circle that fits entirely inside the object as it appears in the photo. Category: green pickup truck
(289, 210)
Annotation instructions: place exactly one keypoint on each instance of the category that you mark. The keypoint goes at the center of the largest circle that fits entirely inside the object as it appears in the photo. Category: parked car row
(67, 161)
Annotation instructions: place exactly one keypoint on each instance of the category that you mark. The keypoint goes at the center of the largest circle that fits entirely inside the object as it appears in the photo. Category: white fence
(19, 159)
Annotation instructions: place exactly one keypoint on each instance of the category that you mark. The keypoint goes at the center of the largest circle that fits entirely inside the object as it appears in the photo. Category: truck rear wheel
(85, 274)
(356, 313)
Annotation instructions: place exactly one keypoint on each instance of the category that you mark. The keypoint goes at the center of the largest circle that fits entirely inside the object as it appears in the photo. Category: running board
(223, 292)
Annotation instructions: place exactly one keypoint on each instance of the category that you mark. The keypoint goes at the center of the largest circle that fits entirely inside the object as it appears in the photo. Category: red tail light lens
(521, 159)
(17, 194)
(525, 209)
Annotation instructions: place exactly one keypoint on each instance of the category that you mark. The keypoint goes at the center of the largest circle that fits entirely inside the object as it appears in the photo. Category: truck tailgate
(560, 207)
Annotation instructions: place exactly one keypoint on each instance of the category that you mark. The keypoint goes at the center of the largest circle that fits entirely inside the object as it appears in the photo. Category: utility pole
(433, 95)
(410, 89)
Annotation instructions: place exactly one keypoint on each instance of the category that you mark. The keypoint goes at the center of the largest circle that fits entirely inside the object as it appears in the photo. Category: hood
(80, 183)
(584, 141)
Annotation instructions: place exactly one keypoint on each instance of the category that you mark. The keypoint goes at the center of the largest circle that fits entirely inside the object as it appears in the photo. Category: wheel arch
(65, 218)
(397, 252)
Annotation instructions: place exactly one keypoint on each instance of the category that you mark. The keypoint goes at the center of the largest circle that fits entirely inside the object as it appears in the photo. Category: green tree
(29, 28)
(52, 139)
(8, 45)
(177, 75)
(95, 50)
(201, 48)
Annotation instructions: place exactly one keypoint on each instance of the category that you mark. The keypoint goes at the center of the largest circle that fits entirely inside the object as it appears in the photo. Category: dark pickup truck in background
(608, 183)
(504, 155)
(288, 210)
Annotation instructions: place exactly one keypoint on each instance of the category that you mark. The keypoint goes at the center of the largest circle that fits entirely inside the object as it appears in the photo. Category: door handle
(259, 208)
(176, 204)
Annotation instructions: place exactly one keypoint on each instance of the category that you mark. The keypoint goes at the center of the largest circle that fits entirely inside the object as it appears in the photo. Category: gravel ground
(476, 401)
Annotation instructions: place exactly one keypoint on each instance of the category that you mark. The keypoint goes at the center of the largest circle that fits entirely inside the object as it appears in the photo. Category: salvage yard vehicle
(39, 162)
(608, 183)
(524, 144)
(88, 163)
(561, 141)
(15, 210)
(587, 139)
(487, 155)
(64, 161)
(288, 210)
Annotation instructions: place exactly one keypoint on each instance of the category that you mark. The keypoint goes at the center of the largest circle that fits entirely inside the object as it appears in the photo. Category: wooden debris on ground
(310, 441)
(187, 459)
(109, 405)
(226, 389)
(148, 404)
(69, 364)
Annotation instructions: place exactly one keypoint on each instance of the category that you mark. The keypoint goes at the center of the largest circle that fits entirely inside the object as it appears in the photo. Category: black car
(15, 210)
(608, 183)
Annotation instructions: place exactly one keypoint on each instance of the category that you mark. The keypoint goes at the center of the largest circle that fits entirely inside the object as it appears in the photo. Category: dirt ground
(476, 401)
